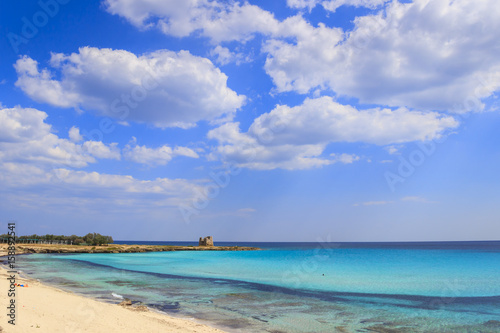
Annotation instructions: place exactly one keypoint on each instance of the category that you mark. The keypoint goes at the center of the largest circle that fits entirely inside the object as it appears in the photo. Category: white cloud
(346, 158)
(185, 151)
(220, 21)
(26, 137)
(310, 4)
(295, 138)
(248, 151)
(31, 184)
(324, 120)
(393, 149)
(20, 125)
(100, 150)
(155, 156)
(74, 134)
(224, 56)
(40, 86)
(38, 168)
(301, 66)
(332, 5)
(164, 88)
(430, 55)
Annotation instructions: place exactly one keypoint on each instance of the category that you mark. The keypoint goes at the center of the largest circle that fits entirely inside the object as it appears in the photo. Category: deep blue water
(300, 287)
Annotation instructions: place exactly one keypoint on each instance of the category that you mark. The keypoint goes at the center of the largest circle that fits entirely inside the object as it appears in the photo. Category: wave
(117, 296)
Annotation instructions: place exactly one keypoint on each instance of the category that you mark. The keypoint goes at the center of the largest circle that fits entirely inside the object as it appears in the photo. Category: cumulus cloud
(246, 150)
(432, 55)
(74, 134)
(164, 88)
(36, 164)
(217, 20)
(40, 86)
(28, 185)
(155, 156)
(295, 137)
(298, 66)
(324, 120)
(100, 150)
(26, 137)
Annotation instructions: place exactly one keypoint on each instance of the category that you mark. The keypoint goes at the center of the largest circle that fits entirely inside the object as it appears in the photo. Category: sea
(297, 287)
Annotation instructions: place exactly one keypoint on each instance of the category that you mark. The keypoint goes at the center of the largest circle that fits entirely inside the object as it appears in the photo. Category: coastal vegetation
(89, 239)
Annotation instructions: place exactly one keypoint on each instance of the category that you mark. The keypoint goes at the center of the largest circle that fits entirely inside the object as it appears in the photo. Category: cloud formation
(224, 56)
(35, 160)
(26, 137)
(155, 156)
(163, 88)
(429, 55)
(29, 185)
(295, 137)
(436, 55)
(332, 5)
(217, 20)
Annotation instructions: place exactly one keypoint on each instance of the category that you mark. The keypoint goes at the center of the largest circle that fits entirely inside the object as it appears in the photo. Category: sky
(283, 120)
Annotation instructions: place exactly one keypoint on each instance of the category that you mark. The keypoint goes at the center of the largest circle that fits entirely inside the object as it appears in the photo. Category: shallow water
(300, 288)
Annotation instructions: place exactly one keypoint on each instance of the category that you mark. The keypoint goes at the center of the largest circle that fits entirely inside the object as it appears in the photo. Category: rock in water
(126, 302)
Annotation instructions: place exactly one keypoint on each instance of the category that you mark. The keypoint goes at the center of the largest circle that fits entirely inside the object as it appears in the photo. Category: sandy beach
(41, 308)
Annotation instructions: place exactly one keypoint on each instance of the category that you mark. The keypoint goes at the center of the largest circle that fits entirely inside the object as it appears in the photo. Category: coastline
(44, 308)
(22, 248)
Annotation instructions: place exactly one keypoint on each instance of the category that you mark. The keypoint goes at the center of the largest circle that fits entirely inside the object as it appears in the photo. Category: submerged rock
(126, 302)
(492, 323)
(141, 308)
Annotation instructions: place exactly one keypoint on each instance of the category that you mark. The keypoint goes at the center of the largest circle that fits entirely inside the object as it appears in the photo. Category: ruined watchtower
(207, 241)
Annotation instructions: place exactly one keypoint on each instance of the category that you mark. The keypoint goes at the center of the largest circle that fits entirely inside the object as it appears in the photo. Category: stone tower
(207, 241)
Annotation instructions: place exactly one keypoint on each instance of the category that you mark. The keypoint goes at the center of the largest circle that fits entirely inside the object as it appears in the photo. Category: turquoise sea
(298, 287)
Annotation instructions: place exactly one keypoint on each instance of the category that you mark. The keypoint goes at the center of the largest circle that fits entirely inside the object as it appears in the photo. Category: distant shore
(117, 248)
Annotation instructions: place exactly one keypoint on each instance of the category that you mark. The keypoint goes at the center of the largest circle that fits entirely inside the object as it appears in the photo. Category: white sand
(41, 308)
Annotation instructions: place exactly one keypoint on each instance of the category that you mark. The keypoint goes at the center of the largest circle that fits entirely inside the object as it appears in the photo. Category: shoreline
(45, 308)
(117, 248)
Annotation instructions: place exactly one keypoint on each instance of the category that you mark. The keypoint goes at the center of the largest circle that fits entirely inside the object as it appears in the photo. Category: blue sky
(290, 120)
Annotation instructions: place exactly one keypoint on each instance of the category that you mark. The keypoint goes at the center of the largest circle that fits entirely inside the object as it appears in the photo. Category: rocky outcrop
(120, 248)
(207, 241)
(140, 308)
(126, 302)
